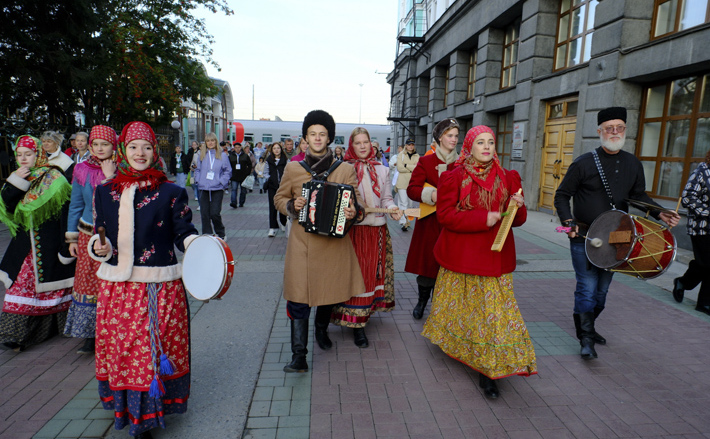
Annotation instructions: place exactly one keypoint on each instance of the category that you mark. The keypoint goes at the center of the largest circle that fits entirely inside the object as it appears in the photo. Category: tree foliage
(112, 60)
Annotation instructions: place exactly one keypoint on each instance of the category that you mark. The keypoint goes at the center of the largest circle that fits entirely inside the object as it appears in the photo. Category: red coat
(420, 259)
(464, 245)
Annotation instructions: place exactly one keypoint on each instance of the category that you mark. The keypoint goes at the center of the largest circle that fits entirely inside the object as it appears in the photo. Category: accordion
(324, 212)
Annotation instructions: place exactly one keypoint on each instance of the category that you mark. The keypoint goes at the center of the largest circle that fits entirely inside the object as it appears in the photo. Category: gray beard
(612, 145)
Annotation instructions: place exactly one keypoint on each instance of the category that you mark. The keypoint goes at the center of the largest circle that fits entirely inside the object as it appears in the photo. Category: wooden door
(557, 155)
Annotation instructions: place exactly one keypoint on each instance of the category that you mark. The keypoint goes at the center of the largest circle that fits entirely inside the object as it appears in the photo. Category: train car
(269, 131)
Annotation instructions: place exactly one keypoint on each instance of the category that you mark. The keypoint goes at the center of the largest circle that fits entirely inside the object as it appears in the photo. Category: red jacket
(464, 245)
(420, 259)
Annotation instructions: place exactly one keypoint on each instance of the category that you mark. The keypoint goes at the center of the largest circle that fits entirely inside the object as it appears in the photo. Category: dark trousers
(237, 187)
(211, 212)
(273, 213)
(297, 311)
(699, 269)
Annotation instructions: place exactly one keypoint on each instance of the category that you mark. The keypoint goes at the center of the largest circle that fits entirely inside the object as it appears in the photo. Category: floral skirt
(81, 320)
(373, 247)
(129, 347)
(476, 320)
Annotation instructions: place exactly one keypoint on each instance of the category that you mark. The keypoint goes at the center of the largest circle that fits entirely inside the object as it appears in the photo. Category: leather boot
(489, 386)
(88, 348)
(360, 338)
(598, 339)
(424, 294)
(299, 341)
(586, 323)
(322, 322)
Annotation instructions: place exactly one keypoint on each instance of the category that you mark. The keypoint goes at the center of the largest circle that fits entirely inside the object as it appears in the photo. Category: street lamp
(359, 117)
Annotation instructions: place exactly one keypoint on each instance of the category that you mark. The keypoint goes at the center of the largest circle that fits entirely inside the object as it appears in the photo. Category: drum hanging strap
(603, 177)
(314, 176)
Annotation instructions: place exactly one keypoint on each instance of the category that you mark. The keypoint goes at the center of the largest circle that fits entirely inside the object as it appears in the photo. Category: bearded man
(594, 194)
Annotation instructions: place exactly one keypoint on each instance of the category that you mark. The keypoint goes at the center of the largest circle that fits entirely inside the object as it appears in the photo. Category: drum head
(203, 268)
(607, 255)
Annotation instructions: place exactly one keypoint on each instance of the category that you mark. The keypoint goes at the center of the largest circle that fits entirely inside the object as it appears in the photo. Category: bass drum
(207, 268)
(630, 245)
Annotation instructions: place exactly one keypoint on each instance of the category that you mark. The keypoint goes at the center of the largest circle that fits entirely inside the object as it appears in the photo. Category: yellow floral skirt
(476, 320)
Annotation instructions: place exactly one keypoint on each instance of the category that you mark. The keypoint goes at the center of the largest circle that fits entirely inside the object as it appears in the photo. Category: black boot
(322, 322)
(89, 346)
(586, 324)
(360, 338)
(598, 339)
(489, 386)
(144, 435)
(299, 341)
(424, 295)
(678, 290)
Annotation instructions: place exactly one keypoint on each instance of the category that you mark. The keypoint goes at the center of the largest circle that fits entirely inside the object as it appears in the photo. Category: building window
(676, 15)
(267, 138)
(471, 75)
(249, 137)
(504, 138)
(446, 88)
(510, 55)
(674, 133)
(339, 140)
(574, 33)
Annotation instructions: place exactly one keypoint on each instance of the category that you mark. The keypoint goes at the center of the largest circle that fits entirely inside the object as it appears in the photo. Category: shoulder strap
(603, 177)
(314, 176)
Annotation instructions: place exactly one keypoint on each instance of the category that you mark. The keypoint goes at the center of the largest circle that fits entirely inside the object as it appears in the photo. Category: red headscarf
(127, 175)
(488, 176)
(368, 162)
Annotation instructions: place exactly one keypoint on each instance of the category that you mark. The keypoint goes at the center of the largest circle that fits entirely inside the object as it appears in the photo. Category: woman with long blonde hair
(212, 177)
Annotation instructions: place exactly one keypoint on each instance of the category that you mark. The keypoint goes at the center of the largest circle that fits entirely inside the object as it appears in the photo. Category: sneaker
(198, 207)
(272, 233)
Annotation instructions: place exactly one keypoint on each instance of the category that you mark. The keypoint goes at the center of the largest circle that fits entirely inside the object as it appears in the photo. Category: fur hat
(611, 113)
(443, 127)
(320, 117)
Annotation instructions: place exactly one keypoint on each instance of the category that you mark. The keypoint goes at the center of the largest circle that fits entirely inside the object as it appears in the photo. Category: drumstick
(102, 235)
(678, 205)
(595, 242)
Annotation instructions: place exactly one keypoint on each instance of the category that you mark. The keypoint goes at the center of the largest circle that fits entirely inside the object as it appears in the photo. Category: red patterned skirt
(22, 297)
(81, 319)
(373, 247)
(125, 354)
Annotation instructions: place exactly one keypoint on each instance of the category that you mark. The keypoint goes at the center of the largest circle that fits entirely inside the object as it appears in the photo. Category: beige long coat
(405, 166)
(319, 270)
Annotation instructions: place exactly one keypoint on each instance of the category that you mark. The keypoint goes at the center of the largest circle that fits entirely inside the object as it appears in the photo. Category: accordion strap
(314, 176)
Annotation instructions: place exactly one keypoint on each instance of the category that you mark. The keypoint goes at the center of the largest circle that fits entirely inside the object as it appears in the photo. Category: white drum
(207, 268)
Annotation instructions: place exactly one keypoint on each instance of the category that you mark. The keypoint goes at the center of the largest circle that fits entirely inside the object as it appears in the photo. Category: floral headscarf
(91, 167)
(487, 176)
(48, 192)
(360, 165)
(126, 174)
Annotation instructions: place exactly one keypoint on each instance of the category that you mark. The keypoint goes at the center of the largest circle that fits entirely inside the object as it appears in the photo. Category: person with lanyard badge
(179, 166)
(599, 181)
(212, 175)
(94, 171)
(371, 240)
(241, 169)
(276, 162)
(312, 259)
(423, 187)
(474, 315)
(37, 269)
(142, 316)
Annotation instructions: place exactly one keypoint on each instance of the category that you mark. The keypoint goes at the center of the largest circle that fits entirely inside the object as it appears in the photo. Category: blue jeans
(592, 282)
(237, 186)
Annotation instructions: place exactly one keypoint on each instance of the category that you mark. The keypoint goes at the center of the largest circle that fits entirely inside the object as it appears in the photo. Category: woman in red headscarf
(142, 316)
(97, 168)
(371, 240)
(36, 269)
(475, 318)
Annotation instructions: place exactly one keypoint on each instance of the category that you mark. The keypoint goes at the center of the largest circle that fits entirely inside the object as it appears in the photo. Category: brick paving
(649, 381)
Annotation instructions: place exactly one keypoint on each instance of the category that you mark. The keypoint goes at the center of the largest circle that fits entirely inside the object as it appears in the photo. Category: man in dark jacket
(179, 166)
(241, 169)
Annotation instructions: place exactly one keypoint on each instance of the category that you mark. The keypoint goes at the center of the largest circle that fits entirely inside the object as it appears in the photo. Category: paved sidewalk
(649, 381)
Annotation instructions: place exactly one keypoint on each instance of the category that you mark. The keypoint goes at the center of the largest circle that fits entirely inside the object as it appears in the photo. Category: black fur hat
(611, 113)
(320, 117)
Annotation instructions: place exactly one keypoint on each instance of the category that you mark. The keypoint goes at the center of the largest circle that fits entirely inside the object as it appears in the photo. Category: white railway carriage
(269, 131)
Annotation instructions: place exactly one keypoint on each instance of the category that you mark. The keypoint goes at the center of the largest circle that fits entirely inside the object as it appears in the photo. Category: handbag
(248, 182)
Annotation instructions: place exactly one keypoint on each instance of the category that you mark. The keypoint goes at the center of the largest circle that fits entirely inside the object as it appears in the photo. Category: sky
(301, 55)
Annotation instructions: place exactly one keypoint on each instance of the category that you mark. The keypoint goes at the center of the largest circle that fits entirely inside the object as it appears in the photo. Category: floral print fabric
(476, 320)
